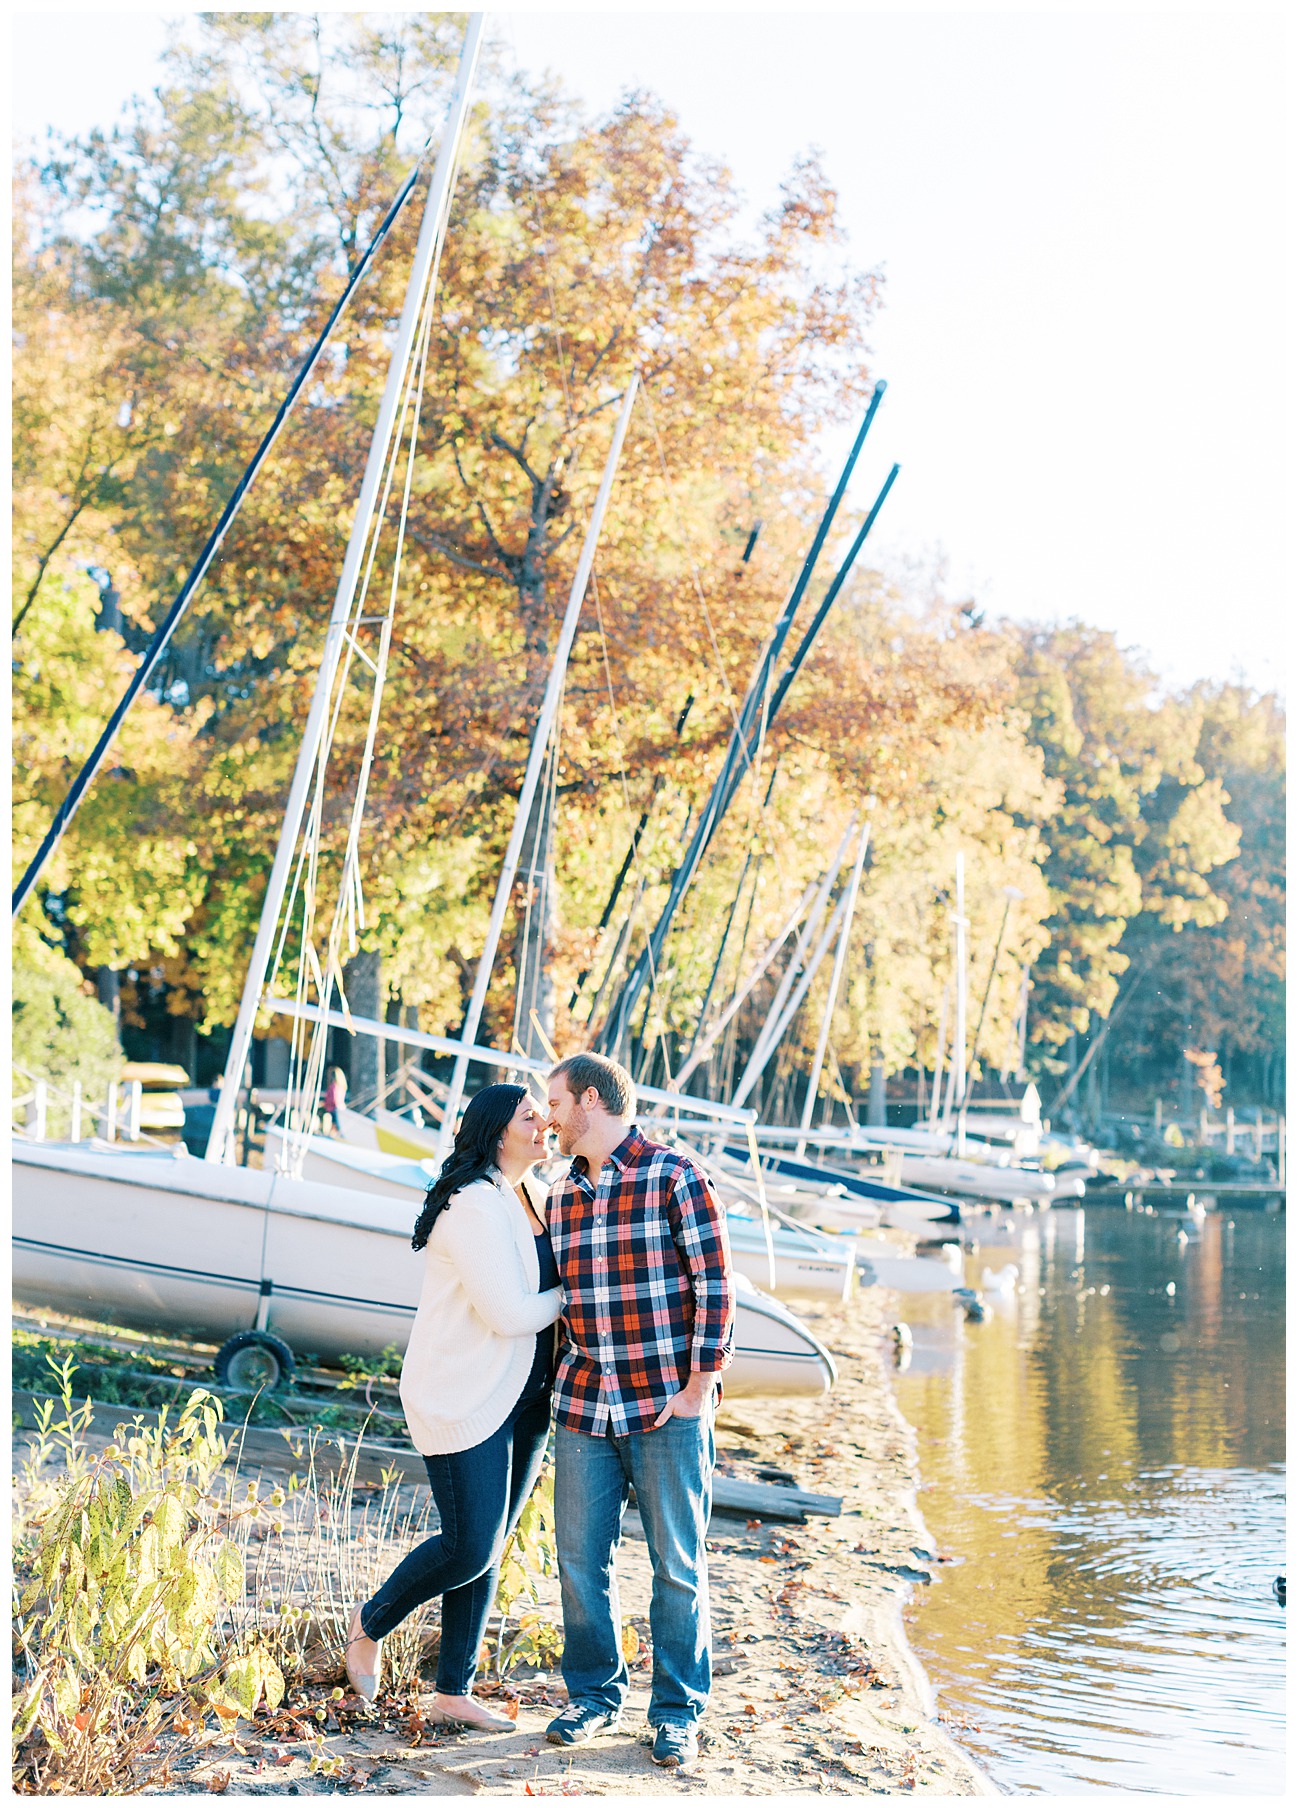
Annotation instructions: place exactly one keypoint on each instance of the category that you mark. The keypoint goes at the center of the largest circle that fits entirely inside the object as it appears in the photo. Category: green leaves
(250, 1676)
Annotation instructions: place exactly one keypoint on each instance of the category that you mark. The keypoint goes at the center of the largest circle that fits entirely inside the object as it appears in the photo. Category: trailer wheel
(254, 1359)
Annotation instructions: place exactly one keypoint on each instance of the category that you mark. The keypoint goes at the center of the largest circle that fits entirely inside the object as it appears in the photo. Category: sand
(816, 1690)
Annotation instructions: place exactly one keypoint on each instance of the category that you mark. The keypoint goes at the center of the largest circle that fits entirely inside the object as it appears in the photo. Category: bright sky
(1081, 220)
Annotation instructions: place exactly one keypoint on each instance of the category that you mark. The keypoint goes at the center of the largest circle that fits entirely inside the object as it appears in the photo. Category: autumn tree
(1219, 987)
(1139, 830)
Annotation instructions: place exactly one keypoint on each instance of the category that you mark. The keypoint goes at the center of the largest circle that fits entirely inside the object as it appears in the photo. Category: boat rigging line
(836, 976)
(540, 743)
(422, 277)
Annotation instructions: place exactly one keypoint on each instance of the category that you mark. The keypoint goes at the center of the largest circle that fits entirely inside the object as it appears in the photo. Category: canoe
(163, 1242)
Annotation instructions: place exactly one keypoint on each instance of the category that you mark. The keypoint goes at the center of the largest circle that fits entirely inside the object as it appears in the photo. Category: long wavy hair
(473, 1153)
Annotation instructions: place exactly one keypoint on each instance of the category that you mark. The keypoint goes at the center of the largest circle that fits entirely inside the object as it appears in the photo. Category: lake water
(1103, 1464)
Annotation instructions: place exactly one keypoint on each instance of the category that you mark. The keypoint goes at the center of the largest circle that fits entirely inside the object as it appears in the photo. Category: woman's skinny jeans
(480, 1494)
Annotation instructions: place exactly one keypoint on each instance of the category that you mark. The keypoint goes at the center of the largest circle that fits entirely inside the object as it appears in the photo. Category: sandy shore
(816, 1690)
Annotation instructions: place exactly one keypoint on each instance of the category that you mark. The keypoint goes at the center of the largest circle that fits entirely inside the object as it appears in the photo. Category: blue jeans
(671, 1472)
(480, 1494)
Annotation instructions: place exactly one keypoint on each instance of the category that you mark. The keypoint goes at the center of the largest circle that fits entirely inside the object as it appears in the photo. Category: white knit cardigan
(474, 1334)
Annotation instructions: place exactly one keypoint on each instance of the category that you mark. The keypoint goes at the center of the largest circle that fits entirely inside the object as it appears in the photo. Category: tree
(62, 1035)
(576, 254)
(1220, 985)
(1139, 827)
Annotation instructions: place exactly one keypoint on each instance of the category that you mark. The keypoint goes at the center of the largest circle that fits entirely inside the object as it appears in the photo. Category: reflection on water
(1103, 1464)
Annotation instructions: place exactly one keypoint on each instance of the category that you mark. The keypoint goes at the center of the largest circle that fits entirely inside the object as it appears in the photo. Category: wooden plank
(771, 1500)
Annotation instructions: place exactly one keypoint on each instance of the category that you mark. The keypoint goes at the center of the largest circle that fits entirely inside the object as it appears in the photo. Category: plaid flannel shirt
(648, 1298)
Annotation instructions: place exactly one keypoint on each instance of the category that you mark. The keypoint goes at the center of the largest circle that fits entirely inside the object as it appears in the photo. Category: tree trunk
(108, 984)
(363, 982)
(876, 1110)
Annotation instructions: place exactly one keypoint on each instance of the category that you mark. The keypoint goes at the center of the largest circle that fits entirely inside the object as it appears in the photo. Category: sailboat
(275, 1265)
(800, 1263)
(269, 1258)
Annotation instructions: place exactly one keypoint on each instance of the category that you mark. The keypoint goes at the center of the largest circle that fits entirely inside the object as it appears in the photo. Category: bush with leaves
(124, 1568)
(528, 1555)
(61, 1034)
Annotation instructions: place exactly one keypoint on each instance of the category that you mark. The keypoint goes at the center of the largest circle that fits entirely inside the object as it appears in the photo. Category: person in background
(335, 1097)
(648, 1325)
(475, 1388)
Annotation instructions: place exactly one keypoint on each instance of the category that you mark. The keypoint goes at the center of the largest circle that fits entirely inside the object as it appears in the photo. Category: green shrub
(123, 1572)
(62, 1035)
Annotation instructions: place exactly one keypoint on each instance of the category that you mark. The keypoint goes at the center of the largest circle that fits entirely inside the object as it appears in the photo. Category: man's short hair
(610, 1079)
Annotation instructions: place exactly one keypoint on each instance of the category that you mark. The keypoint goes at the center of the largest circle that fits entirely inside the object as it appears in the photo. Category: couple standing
(632, 1253)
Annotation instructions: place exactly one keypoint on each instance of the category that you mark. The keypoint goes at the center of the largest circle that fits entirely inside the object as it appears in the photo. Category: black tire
(255, 1359)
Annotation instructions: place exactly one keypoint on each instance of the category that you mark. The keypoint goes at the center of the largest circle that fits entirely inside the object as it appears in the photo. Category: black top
(542, 1370)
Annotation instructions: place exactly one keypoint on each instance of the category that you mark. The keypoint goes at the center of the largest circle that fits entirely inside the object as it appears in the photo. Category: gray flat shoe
(364, 1682)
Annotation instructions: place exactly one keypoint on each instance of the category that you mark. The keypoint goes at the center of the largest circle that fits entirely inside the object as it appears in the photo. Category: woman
(475, 1386)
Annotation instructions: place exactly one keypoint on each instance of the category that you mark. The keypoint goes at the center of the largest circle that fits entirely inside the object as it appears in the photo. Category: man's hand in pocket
(688, 1403)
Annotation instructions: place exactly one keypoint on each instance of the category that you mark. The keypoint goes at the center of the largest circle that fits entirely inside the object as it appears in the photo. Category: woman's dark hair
(473, 1153)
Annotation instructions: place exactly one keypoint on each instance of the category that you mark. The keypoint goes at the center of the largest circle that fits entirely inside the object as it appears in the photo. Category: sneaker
(580, 1721)
(676, 1747)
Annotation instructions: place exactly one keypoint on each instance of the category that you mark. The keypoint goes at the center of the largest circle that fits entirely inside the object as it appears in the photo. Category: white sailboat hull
(775, 1353)
(330, 1161)
(387, 1133)
(975, 1179)
(806, 1266)
(162, 1243)
(803, 1269)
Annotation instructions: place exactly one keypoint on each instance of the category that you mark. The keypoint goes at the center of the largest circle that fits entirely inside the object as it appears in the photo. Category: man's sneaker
(581, 1721)
(676, 1747)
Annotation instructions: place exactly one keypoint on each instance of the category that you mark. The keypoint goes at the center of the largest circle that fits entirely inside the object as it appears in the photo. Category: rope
(307, 1053)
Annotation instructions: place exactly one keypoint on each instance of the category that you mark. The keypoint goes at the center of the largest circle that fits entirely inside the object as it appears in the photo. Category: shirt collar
(622, 1157)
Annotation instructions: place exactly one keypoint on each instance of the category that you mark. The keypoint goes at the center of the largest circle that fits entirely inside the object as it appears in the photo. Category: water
(1104, 1470)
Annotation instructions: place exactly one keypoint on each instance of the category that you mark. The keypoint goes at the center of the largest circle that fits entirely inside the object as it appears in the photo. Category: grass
(121, 1369)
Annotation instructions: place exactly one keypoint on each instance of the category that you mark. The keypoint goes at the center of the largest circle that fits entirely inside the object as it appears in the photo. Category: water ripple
(1110, 1621)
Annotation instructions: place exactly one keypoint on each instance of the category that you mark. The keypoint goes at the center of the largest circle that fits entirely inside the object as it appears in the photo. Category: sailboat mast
(959, 1048)
(432, 232)
(540, 742)
(785, 986)
(761, 1059)
(835, 981)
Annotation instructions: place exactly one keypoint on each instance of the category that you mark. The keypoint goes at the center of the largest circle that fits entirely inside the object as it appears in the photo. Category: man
(647, 1327)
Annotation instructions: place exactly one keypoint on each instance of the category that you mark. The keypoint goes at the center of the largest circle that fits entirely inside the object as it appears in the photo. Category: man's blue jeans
(671, 1471)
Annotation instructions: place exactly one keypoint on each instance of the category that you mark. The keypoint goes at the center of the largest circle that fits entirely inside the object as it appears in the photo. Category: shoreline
(816, 1686)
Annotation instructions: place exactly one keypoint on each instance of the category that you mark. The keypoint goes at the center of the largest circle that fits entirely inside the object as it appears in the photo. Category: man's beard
(573, 1131)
